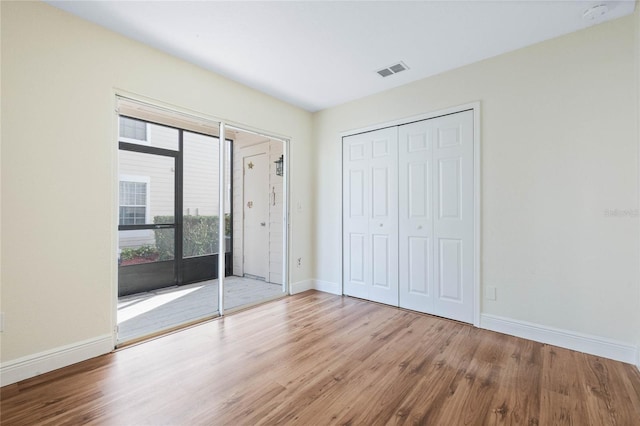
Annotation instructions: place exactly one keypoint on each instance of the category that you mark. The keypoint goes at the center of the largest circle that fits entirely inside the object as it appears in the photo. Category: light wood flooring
(146, 313)
(315, 359)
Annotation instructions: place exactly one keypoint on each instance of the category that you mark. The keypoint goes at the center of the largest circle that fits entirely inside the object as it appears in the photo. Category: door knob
(419, 226)
(263, 224)
(381, 225)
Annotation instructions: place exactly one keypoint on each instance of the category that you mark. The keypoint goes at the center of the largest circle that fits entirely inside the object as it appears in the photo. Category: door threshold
(165, 331)
(254, 304)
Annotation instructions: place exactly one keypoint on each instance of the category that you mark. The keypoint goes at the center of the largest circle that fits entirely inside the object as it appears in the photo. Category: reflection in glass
(200, 195)
(140, 132)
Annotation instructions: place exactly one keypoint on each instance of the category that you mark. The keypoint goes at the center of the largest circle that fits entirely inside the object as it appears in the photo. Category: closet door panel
(449, 188)
(370, 220)
(380, 263)
(416, 216)
(450, 269)
(453, 221)
(419, 281)
(357, 255)
(355, 217)
(383, 222)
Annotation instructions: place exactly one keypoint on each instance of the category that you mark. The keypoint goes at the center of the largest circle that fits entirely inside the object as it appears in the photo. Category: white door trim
(477, 185)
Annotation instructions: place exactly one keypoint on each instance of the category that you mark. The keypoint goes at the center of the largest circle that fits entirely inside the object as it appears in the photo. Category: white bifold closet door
(436, 238)
(370, 215)
(408, 216)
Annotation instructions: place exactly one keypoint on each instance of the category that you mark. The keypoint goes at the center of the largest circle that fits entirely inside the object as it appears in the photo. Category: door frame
(286, 183)
(477, 187)
(223, 125)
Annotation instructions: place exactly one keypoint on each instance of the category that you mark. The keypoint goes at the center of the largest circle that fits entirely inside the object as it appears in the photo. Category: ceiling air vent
(393, 69)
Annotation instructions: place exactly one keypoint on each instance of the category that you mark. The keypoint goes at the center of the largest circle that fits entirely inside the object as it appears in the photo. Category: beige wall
(559, 148)
(59, 77)
(1, 203)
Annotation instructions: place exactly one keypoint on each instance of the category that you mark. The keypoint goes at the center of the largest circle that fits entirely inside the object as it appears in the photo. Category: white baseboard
(327, 287)
(301, 286)
(43, 362)
(593, 345)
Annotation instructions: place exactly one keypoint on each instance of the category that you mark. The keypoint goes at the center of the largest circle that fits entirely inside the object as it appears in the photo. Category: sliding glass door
(149, 203)
(191, 209)
(168, 227)
(201, 210)
(258, 198)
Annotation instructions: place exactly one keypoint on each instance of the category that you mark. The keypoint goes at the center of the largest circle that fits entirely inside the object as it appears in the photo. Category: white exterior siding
(201, 177)
(200, 173)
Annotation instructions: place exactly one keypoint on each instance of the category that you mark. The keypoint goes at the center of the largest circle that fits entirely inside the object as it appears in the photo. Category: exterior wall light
(280, 166)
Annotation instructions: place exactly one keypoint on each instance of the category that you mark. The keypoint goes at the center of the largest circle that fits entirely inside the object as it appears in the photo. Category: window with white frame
(132, 130)
(134, 198)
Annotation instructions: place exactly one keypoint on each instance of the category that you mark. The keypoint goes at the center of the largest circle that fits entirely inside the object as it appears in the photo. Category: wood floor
(316, 358)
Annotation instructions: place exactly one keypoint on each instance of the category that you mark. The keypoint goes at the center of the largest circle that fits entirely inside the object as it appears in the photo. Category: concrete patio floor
(147, 313)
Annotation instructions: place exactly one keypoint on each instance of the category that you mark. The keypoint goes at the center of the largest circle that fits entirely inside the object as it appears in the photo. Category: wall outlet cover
(490, 293)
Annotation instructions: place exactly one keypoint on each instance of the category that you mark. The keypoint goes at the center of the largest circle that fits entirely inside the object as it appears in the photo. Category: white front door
(436, 216)
(256, 215)
(370, 216)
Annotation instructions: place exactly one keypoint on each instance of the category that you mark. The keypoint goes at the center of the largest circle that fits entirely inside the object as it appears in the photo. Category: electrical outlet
(490, 293)
(299, 264)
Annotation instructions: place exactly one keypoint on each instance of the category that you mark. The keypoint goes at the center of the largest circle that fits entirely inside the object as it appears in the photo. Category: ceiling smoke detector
(393, 69)
(595, 13)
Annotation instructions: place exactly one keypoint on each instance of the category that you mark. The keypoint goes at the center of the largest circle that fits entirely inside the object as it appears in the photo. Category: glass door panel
(200, 208)
(146, 222)
(167, 228)
(139, 132)
(147, 232)
(146, 189)
(146, 260)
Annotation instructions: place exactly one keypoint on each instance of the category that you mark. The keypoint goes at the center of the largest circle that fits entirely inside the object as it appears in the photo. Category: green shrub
(200, 235)
(142, 251)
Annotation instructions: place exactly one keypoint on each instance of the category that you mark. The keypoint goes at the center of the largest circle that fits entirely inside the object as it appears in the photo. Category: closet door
(370, 216)
(453, 216)
(415, 147)
(436, 216)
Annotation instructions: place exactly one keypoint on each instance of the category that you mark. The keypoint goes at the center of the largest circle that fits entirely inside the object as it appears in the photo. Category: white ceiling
(318, 54)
